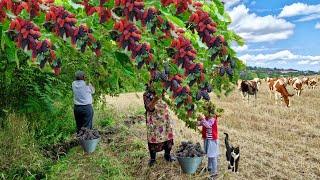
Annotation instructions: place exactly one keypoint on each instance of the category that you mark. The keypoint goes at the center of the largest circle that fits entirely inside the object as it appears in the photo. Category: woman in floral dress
(159, 128)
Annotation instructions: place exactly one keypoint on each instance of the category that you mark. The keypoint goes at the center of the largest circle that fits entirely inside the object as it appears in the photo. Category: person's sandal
(151, 162)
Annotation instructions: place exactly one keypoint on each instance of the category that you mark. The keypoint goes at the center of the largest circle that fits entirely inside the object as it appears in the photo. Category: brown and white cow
(292, 80)
(285, 80)
(248, 88)
(305, 81)
(313, 83)
(280, 90)
(297, 85)
(271, 82)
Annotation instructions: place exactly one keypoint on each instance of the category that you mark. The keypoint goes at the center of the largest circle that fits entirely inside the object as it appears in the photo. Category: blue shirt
(82, 92)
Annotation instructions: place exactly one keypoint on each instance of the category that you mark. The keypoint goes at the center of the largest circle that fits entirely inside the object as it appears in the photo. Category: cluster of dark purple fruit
(87, 134)
(227, 67)
(162, 76)
(188, 149)
(204, 91)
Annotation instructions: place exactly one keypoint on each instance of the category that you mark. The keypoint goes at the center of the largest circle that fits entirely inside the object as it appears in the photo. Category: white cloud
(304, 62)
(255, 28)
(304, 11)
(284, 56)
(283, 59)
(298, 9)
(317, 26)
(281, 55)
(309, 18)
(240, 48)
(282, 62)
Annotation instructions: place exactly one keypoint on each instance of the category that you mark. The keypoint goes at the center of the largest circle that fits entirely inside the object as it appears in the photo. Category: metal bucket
(89, 145)
(189, 165)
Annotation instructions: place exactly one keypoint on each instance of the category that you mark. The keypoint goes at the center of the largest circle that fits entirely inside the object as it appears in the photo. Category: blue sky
(278, 33)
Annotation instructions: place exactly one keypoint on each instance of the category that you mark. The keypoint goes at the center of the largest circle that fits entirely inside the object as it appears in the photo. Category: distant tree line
(254, 72)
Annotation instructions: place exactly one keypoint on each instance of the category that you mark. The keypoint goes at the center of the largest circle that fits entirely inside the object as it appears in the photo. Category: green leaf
(0, 32)
(172, 18)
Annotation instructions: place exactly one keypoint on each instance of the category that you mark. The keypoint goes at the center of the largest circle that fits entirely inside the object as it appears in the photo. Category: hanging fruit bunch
(227, 66)
(132, 10)
(63, 24)
(26, 35)
(181, 5)
(206, 28)
(204, 91)
(103, 12)
(127, 35)
(31, 6)
(183, 55)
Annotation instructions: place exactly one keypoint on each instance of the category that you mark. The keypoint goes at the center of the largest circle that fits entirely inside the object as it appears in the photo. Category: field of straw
(275, 142)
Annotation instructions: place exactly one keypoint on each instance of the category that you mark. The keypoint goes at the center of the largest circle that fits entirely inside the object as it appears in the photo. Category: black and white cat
(232, 154)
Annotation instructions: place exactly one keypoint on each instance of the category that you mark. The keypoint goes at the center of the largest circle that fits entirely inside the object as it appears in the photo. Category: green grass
(79, 165)
(21, 157)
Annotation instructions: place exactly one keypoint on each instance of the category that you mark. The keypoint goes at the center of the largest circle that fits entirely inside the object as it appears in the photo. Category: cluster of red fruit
(201, 21)
(135, 10)
(26, 35)
(63, 24)
(31, 6)
(181, 5)
(103, 12)
(128, 36)
(183, 55)
(132, 9)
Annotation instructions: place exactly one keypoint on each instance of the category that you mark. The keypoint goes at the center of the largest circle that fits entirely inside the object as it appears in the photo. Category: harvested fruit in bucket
(88, 134)
(188, 149)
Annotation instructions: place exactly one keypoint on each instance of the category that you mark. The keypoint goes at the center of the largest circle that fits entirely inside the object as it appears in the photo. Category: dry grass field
(275, 142)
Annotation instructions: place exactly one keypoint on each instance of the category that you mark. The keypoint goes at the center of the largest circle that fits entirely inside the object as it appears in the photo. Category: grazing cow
(313, 83)
(305, 81)
(297, 85)
(249, 88)
(285, 80)
(279, 89)
(270, 82)
(292, 80)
